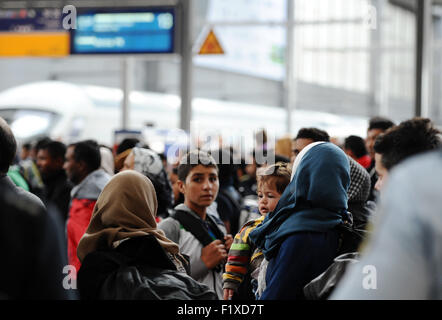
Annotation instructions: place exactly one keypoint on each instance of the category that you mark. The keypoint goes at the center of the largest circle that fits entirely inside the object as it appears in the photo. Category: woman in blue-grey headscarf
(299, 238)
(149, 163)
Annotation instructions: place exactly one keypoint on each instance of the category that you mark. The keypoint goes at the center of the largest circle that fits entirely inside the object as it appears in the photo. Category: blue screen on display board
(124, 32)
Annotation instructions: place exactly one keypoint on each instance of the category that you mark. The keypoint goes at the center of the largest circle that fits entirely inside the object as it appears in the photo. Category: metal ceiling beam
(423, 58)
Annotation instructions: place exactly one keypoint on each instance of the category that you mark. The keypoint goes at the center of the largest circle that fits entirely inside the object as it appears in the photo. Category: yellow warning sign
(211, 45)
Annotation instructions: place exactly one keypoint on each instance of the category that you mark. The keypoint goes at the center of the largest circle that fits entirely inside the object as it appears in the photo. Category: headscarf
(360, 183)
(149, 163)
(315, 200)
(301, 155)
(125, 209)
(119, 159)
(107, 160)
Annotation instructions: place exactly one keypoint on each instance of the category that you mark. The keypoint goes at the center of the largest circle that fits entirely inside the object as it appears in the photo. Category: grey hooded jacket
(191, 247)
(403, 260)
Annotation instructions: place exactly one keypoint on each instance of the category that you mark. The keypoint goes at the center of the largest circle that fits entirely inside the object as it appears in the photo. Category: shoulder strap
(214, 227)
(196, 226)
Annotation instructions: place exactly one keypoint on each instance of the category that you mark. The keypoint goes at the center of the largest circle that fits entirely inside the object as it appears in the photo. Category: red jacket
(84, 196)
(364, 161)
(79, 217)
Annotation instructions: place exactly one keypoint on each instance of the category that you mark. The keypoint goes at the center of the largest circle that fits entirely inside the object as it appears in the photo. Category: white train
(70, 112)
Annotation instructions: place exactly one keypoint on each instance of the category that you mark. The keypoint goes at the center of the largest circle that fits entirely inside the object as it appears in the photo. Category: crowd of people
(133, 226)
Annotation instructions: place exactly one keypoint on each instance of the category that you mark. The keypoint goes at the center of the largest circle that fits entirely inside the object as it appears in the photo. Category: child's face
(268, 198)
(201, 187)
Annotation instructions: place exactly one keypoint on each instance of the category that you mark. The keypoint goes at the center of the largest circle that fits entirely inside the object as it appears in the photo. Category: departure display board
(33, 32)
(42, 32)
(124, 32)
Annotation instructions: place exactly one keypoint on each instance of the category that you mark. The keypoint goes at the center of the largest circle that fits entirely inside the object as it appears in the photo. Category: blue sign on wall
(124, 32)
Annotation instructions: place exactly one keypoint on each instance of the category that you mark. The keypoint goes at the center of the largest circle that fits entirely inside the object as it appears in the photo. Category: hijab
(360, 183)
(107, 160)
(314, 201)
(301, 155)
(126, 208)
(119, 159)
(149, 163)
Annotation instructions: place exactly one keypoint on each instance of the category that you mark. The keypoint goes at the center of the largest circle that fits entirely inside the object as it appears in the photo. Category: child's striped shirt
(243, 256)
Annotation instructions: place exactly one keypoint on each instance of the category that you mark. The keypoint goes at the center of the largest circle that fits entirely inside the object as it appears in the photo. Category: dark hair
(55, 149)
(8, 146)
(281, 158)
(408, 138)
(162, 156)
(41, 142)
(193, 159)
(126, 144)
(380, 123)
(357, 145)
(26, 146)
(278, 173)
(313, 133)
(89, 152)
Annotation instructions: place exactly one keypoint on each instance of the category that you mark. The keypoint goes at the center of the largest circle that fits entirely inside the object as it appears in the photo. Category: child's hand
(227, 294)
(228, 241)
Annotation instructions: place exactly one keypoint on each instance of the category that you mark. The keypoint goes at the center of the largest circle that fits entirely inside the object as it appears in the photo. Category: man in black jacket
(50, 160)
(32, 250)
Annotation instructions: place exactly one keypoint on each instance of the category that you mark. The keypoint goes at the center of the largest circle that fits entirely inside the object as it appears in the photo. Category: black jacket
(361, 212)
(138, 269)
(58, 192)
(33, 251)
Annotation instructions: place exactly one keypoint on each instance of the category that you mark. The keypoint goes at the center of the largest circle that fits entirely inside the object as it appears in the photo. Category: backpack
(350, 239)
(138, 269)
(322, 286)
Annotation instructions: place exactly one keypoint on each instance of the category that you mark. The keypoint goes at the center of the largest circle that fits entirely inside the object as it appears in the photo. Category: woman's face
(129, 162)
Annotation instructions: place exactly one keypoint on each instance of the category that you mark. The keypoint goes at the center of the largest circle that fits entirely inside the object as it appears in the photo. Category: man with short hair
(306, 136)
(354, 146)
(398, 143)
(200, 235)
(82, 166)
(376, 126)
(50, 161)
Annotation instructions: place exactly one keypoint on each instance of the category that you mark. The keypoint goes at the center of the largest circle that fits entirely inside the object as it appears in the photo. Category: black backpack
(138, 269)
(350, 239)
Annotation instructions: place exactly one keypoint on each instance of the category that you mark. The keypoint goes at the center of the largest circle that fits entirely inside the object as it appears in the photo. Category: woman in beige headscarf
(125, 209)
(124, 255)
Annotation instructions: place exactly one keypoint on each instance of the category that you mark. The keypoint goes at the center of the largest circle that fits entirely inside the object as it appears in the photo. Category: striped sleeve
(238, 260)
